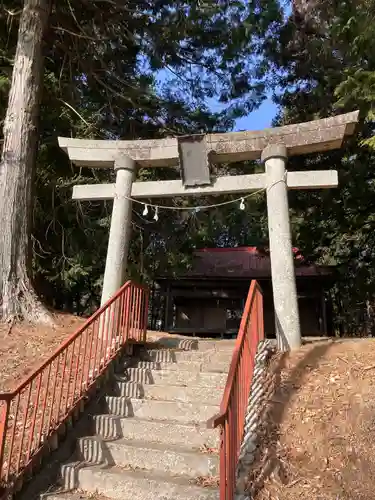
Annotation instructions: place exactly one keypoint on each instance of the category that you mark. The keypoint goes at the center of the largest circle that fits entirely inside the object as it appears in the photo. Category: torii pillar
(287, 322)
(120, 230)
(193, 154)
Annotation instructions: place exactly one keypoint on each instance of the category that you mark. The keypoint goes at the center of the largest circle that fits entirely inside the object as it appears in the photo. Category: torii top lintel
(302, 138)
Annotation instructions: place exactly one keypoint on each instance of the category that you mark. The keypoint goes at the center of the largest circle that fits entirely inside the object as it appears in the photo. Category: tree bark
(17, 167)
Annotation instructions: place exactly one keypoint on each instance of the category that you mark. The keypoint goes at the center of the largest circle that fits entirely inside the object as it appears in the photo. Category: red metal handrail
(45, 399)
(233, 406)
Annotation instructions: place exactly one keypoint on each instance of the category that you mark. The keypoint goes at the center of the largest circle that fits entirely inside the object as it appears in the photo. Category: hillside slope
(322, 424)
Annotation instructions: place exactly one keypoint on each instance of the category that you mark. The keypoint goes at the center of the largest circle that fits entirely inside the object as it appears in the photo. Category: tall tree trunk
(18, 298)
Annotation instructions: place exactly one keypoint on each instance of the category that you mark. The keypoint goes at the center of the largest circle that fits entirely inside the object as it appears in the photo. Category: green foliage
(355, 27)
(130, 70)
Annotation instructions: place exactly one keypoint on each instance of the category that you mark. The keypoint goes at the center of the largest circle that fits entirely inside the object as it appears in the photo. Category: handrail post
(126, 313)
(260, 317)
(145, 319)
(233, 406)
(4, 414)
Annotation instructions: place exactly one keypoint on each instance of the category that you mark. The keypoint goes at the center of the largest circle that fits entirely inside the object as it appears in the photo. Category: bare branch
(59, 28)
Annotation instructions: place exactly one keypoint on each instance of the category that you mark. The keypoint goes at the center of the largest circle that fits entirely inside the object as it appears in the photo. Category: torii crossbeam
(195, 154)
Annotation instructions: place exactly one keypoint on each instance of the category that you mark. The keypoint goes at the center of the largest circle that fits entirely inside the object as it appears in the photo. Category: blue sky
(261, 118)
(257, 120)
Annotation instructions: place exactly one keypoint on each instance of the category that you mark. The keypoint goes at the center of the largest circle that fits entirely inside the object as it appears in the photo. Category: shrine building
(208, 299)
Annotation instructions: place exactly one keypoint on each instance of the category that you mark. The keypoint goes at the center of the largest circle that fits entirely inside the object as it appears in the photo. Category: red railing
(233, 406)
(31, 413)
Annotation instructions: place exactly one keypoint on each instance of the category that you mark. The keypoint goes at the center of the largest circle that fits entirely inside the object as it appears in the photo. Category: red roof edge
(239, 249)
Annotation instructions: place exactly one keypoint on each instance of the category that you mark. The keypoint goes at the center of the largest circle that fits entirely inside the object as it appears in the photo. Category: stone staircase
(149, 440)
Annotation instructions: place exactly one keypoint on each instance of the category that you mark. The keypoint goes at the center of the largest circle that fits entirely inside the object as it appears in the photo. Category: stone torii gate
(194, 154)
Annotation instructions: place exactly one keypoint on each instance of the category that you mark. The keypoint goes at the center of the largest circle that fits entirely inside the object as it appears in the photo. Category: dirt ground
(23, 347)
(321, 439)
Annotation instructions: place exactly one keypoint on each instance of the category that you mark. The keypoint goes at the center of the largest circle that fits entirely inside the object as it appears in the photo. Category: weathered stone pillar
(288, 329)
(120, 231)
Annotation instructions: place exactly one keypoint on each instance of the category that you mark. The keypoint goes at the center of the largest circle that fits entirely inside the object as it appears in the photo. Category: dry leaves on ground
(24, 347)
(322, 424)
(207, 481)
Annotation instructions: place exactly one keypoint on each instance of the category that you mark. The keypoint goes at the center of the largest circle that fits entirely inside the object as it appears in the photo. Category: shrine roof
(245, 262)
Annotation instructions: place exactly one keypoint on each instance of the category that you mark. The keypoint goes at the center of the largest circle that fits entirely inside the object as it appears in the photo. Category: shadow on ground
(269, 462)
(319, 429)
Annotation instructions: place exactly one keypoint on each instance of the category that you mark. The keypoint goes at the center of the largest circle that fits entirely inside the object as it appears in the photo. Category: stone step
(189, 394)
(192, 344)
(122, 484)
(183, 377)
(169, 342)
(176, 356)
(219, 345)
(149, 456)
(167, 433)
(159, 410)
(215, 366)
